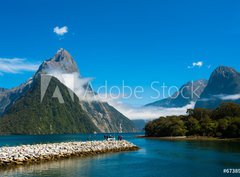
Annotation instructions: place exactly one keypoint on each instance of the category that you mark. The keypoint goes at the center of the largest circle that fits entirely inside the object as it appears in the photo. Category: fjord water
(155, 158)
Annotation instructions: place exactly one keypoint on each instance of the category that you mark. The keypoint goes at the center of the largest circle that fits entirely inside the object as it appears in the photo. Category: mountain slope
(28, 115)
(106, 117)
(223, 86)
(61, 62)
(184, 96)
(9, 96)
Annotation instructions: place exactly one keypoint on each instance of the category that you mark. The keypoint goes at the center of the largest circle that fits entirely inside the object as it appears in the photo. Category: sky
(135, 41)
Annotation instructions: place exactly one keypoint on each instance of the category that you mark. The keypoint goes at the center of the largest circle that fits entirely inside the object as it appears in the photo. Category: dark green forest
(222, 122)
(29, 115)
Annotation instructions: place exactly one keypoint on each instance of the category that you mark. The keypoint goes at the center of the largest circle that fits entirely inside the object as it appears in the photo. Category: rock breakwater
(26, 154)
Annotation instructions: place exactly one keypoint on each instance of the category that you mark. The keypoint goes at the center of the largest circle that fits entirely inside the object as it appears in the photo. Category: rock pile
(26, 154)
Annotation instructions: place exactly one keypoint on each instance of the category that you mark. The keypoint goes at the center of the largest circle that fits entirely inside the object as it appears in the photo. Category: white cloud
(229, 97)
(199, 63)
(60, 31)
(196, 64)
(222, 97)
(16, 65)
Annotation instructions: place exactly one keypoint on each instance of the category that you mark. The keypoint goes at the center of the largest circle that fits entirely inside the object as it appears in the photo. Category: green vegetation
(29, 115)
(222, 122)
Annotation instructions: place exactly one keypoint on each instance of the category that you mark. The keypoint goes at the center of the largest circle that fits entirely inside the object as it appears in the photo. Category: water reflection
(155, 158)
(64, 167)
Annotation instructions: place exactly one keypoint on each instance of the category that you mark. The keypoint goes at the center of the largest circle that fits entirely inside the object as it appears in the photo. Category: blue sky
(136, 41)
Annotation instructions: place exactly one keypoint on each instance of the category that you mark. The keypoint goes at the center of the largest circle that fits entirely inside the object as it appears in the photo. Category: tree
(226, 110)
(193, 126)
(222, 126)
(177, 127)
(199, 113)
(208, 127)
(233, 130)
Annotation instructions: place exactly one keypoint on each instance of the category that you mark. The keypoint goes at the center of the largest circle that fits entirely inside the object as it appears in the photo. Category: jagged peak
(195, 83)
(224, 71)
(221, 69)
(62, 61)
(201, 80)
(62, 54)
(60, 50)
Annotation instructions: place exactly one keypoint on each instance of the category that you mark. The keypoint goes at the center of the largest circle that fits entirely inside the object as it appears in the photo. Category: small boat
(111, 138)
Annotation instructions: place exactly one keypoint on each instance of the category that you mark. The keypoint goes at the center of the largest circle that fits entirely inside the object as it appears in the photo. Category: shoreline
(189, 138)
(29, 154)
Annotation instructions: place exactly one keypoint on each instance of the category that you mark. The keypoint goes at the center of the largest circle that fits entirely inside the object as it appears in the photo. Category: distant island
(222, 122)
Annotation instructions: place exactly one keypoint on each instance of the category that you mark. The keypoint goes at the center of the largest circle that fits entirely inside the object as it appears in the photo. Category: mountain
(9, 96)
(104, 116)
(28, 115)
(14, 102)
(223, 86)
(188, 93)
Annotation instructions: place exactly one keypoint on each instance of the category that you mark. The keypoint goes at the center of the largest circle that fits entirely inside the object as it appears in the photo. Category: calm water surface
(156, 158)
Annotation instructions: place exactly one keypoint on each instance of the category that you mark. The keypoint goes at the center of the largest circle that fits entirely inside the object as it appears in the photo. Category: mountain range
(222, 86)
(24, 110)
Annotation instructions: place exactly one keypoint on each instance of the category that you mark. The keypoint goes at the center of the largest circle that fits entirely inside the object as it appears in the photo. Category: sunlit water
(155, 158)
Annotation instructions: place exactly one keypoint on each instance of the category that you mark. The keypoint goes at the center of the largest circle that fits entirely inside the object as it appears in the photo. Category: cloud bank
(149, 112)
(16, 65)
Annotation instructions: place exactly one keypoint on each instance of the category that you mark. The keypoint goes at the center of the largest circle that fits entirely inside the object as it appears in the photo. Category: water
(156, 158)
